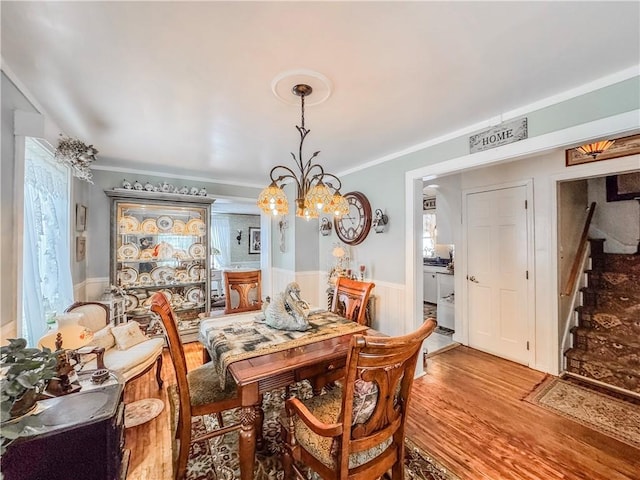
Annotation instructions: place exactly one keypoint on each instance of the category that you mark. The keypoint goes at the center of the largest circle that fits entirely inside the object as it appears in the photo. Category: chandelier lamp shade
(596, 148)
(317, 191)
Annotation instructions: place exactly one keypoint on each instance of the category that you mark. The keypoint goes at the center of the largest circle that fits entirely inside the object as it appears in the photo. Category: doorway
(497, 248)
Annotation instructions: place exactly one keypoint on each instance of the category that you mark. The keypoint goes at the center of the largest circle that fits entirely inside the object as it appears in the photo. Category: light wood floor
(467, 411)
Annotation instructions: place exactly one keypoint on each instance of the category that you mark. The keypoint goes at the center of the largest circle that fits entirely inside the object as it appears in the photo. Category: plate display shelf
(160, 242)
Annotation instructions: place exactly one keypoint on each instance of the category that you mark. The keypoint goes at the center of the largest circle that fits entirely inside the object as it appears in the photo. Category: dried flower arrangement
(77, 155)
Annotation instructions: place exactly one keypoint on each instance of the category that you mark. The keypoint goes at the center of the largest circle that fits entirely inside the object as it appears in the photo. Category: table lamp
(70, 335)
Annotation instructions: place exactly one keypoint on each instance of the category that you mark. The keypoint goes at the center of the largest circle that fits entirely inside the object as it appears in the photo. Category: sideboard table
(77, 436)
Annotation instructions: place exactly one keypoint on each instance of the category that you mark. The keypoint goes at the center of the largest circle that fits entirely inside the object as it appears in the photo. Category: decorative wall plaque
(503, 134)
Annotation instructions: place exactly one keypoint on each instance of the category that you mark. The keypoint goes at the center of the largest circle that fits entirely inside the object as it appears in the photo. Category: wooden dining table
(262, 373)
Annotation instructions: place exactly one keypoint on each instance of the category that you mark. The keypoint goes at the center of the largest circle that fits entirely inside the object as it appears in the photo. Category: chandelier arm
(331, 175)
(291, 174)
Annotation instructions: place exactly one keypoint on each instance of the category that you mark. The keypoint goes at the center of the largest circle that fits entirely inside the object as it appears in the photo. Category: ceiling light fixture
(317, 190)
(596, 148)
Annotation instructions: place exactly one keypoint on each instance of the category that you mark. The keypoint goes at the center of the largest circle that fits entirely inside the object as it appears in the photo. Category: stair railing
(578, 263)
(573, 286)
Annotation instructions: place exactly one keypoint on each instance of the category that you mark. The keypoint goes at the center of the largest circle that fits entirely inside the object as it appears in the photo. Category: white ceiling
(186, 86)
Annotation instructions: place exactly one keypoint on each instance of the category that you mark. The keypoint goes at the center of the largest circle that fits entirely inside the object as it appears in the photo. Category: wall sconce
(379, 221)
(325, 227)
(595, 149)
(239, 237)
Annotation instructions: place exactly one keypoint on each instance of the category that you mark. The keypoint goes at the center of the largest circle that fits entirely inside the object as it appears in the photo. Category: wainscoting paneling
(389, 316)
(90, 290)
(280, 278)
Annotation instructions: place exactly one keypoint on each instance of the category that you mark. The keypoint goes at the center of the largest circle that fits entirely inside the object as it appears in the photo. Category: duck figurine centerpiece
(287, 311)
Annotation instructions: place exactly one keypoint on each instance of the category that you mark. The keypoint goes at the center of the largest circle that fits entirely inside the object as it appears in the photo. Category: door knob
(473, 279)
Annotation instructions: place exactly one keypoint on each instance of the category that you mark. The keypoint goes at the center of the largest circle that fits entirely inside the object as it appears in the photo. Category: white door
(496, 279)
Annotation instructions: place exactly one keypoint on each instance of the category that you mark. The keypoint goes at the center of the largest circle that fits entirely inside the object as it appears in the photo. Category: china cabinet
(160, 243)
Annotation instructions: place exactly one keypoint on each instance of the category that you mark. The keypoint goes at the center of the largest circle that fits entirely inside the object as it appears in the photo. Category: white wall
(618, 222)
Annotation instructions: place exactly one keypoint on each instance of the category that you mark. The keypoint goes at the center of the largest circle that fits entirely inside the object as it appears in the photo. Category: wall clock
(354, 227)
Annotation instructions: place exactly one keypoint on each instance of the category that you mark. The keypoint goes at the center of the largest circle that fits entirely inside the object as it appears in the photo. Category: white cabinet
(446, 300)
(429, 287)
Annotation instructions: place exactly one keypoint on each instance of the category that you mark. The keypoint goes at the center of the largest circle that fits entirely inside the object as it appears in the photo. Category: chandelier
(595, 149)
(316, 190)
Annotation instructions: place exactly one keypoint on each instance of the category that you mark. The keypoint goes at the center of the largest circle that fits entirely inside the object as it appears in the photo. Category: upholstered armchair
(127, 350)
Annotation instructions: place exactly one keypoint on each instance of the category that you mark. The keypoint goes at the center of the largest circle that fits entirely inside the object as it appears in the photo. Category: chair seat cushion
(327, 409)
(130, 362)
(204, 386)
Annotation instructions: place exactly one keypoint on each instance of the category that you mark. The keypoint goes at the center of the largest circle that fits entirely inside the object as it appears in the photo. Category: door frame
(530, 290)
(626, 123)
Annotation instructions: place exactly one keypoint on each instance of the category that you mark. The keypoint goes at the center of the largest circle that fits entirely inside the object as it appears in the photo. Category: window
(47, 287)
(429, 234)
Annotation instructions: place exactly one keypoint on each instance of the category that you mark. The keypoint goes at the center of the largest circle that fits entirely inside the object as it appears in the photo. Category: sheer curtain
(46, 282)
(220, 234)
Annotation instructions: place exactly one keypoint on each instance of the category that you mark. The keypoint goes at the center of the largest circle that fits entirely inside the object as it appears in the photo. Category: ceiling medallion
(317, 191)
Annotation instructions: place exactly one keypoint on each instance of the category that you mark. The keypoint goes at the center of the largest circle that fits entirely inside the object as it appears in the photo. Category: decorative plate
(161, 275)
(164, 250)
(197, 250)
(149, 226)
(128, 224)
(146, 254)
(180, 254)
(188, 304)
(182, 276)
(130, 302)
(176, 299)
(195, 226)
(164, 223)
(194, 272)
(145, 279)
(128, 251)
(179, 227)
(127, 276)
(195, 295)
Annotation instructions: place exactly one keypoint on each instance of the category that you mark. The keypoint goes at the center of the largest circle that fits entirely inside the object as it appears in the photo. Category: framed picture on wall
(625, 186)
(81, 218)
(254, 240)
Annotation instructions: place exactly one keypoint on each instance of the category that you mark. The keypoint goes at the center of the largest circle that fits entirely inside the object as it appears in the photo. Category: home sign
(503, 134)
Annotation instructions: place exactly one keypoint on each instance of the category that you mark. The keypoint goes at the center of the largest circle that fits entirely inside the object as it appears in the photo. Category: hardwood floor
(467, 411)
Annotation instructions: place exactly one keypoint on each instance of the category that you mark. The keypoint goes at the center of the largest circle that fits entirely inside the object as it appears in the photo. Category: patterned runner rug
(217, 458)
(612, 416)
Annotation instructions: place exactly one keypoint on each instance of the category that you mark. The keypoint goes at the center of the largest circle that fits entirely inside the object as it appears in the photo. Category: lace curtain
(47, 286)
(220, 235)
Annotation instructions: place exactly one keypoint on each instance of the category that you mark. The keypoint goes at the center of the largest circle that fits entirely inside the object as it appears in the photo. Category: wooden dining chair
(356, 430)
(350, 299)
(199, 390)
(247, 287)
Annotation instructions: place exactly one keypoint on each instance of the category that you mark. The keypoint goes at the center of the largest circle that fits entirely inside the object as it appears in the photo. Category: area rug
(608, 415)
(217, 458)
(429, 310)
(137, 413)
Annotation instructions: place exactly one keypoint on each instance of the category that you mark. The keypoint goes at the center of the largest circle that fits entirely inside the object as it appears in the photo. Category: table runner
(232, 339)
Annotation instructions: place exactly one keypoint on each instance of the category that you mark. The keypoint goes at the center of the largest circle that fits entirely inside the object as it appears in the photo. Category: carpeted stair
(606, 341)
